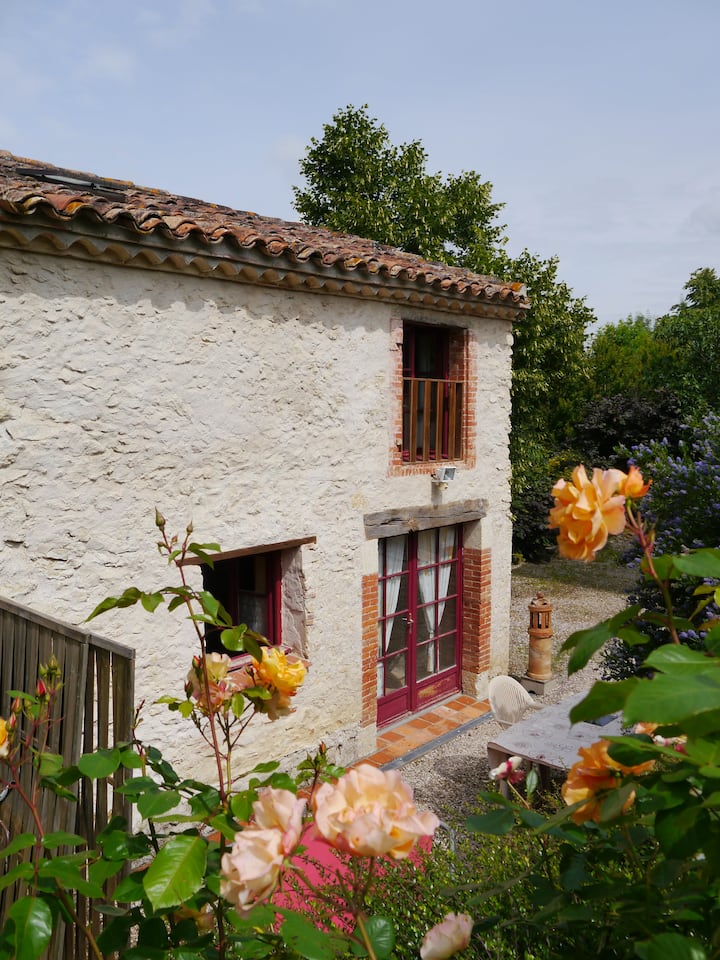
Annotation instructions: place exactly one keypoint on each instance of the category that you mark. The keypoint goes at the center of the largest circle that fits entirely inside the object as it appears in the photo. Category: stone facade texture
(265, 416)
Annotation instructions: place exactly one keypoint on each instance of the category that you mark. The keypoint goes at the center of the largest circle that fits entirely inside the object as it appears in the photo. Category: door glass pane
(426, 662)
(398, 634)
(395, 672)
(448, 617)
(447, 647)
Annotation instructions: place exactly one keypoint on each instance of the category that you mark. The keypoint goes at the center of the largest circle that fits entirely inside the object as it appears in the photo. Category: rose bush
(211, 856)
(630, 867)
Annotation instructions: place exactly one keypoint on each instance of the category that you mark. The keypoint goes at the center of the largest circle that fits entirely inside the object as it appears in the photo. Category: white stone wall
(261, 414)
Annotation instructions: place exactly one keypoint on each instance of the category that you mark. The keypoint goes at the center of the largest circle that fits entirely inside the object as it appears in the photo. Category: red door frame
(414, 694)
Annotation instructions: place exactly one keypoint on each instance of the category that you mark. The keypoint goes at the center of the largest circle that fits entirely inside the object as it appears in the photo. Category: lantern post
(539, 672)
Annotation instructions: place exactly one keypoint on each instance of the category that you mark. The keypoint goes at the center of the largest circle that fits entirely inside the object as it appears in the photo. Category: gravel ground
(448, 777)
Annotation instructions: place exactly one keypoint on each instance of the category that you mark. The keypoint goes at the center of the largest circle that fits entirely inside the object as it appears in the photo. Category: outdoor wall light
(443, 475)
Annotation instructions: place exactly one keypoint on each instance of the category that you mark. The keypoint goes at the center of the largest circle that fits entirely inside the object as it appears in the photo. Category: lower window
(249, 587)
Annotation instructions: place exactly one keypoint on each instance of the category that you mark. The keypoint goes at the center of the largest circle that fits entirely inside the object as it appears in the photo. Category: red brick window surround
(433, 397)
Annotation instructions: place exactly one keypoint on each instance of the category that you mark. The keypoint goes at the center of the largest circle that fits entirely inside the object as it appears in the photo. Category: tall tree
(357, 181)
(691, 332)
(627, 358)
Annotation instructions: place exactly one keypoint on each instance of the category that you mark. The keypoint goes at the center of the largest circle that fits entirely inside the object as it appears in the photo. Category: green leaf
(381, 934)
(126, 599)
(612, 805)
(664, 565)
(157, 803)
(681, 659)
(102, 870)
(151, 601)
(23, 871)
(203, 551)
(233, 639)
(130, 889)
(131, 760)
(62, 839)
(699, 563)
(33, 927)
(21, 842)
(302, 935)
(632, 750)
(670, 946)
(210, 604)
(69, 877)
(497, 822)
(100, 764)
(177, 871)
(585, 643)
(49, 764)
(690, 700)
(603, 698)
(115, 935)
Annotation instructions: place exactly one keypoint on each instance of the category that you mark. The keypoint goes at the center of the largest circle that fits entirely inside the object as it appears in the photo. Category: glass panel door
(420, 615)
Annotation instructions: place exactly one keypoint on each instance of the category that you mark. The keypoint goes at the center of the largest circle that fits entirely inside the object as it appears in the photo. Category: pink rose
(370, 813)
(447, 937)
(280, 810)
(222, 685)
(510, 769)
(251, 869)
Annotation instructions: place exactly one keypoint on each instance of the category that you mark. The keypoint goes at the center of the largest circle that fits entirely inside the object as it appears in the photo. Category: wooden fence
(95, 710)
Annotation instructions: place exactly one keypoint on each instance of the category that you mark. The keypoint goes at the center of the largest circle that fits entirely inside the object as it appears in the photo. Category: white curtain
(433, 582)
(394, 559)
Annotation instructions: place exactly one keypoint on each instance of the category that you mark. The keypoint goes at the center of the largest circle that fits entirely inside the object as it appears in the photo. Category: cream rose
(280, 810)
(251, 869)
(370, 813)
(447, 937)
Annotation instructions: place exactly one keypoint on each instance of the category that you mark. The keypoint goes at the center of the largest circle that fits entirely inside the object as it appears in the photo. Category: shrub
(683, 504)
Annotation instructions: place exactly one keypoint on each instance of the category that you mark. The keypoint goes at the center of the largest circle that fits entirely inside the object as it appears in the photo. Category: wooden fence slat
(95, 708)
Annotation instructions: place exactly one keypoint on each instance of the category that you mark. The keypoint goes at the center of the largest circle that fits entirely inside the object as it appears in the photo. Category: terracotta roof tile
(27, 186)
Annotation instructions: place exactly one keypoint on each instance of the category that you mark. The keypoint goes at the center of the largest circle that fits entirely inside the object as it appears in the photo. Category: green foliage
(640, 868)
(691, 333)
(684, 505)
(358, 182)
(549, 363)
(626, 358)
(613, 423)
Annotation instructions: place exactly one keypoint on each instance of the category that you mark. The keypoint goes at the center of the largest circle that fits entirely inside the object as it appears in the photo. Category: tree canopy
(358, 182)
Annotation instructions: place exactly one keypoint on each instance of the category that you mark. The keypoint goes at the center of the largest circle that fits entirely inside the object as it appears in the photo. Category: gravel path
(448, 777)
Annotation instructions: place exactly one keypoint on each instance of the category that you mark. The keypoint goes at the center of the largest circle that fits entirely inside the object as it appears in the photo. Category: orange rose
(370, 813)
(634, 487)
(276, 670)
(592, 777)
(282, 676)
(586, 511)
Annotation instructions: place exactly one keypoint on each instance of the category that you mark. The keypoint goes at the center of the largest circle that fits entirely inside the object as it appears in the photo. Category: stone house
(298, 393)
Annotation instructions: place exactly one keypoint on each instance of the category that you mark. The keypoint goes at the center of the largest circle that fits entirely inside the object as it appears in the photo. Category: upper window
(249, 587)
(432, 393)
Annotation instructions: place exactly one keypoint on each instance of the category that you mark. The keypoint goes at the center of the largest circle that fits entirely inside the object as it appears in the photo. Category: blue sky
(597, 123)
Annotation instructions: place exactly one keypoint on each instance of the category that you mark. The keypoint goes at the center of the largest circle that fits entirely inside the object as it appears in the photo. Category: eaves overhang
(151, 230)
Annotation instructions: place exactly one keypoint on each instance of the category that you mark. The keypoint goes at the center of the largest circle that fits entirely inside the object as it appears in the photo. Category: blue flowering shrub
(683, 504)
